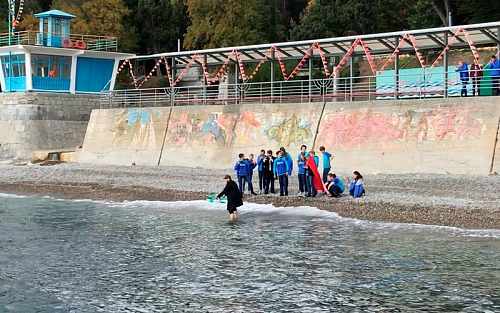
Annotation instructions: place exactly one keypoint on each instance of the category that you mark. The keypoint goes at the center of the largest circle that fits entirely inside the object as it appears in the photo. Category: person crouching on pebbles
(234, 199)
(356, 188)
(334, 186)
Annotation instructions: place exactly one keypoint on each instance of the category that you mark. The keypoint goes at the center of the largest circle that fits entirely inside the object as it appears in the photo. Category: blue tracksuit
(281, 168)
(495, 76)
(242, 168)
(289, 160)
(302, 176)
(260, 161)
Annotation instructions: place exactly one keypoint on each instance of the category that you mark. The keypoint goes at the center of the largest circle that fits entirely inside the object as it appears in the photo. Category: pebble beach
(464, 201)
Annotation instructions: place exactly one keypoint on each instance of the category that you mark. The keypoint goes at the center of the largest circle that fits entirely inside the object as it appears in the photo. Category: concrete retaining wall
(33, 121)
(438, 136)
(125, 136)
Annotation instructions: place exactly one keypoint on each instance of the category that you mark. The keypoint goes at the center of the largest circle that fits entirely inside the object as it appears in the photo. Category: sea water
(83, 256)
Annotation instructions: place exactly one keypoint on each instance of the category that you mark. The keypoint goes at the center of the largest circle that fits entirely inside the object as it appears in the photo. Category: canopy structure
(485, 34)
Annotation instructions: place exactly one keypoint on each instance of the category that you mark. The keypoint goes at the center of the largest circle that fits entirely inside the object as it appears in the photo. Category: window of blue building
(15, 67)
(54, 66)
(59, 27)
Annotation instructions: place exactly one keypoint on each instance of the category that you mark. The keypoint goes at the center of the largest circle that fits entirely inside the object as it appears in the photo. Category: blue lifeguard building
(54, 60)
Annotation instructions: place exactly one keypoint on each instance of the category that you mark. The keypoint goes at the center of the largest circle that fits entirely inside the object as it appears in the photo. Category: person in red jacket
(476, 74)
(310, 166)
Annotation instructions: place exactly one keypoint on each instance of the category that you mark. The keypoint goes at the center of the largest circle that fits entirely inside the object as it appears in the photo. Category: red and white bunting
(223, 67)
(419, 55)
(204, 67)
(242, 68)
(393, 55)
(131, 70)
(348, 54)
(471, 44)
(184, 71)
(150, 73)
(282, 66)
(301, 63)
(169, 72)
(440, 57)
(266, 56)
(368, 56)
(323, 59)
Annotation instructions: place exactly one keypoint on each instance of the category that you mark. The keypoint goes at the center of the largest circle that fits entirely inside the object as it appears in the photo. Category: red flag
(317, 182)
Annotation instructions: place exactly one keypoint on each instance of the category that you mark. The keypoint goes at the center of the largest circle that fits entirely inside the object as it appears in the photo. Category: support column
(29, 74)
(113, 77)
(74, 64)
(498, 38)
(236, 74)
(396, 71)
(351, 78)
(204, 80)
(310, 74)
(174, 77)
(445, 65)
(272, 75)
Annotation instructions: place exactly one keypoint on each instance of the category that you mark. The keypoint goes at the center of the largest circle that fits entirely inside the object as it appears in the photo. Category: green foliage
(423, 15)
(153, 26)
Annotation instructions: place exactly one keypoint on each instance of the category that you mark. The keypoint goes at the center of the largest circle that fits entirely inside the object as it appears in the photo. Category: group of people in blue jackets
(280, 167)
(475, 74)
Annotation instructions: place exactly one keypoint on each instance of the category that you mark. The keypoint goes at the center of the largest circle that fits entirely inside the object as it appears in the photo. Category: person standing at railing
(463, 69)
(494, 66)
(476, 74)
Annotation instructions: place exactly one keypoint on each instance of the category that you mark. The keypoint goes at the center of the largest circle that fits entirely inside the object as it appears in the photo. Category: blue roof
(55, 13)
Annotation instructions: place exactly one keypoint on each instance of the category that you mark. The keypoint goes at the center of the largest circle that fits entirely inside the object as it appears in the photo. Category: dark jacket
(476, 71)
(233, 194)
(268, 168)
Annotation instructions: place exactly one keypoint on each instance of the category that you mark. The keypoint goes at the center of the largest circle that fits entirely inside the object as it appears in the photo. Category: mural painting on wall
(138, 128)
(211, 128)
(289, 130)
(366, 129)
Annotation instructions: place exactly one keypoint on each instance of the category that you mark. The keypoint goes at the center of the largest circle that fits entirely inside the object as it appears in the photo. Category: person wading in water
(234, 199)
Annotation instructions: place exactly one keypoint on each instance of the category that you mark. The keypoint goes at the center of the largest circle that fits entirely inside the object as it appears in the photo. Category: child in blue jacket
(302, 175)
(260, 169)
(242, 168)
(281, 170)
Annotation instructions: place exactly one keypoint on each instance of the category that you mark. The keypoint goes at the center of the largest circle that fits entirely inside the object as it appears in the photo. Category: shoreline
(396, 204)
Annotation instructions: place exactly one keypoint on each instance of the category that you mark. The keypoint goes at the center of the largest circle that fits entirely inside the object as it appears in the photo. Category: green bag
(211, 198)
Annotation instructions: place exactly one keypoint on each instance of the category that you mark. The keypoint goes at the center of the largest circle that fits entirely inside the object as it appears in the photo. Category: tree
(161, 24)
(223, 23)
(324, 19)
(423, 15)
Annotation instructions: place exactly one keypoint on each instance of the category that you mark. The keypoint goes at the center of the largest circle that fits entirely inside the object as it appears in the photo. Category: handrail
(30, 37)
(367, 88)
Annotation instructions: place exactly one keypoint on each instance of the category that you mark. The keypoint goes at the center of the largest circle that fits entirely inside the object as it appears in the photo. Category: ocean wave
(11, 195)
(308, 211)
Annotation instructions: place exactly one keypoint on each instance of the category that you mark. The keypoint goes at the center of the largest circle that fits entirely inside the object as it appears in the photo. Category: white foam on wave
(11, 195)
(309, 212)
(246, 208)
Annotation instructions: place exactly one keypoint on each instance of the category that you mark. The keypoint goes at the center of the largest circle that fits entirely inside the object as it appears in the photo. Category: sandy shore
(463, 201)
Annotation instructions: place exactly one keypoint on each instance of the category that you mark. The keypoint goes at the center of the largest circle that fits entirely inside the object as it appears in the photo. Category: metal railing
(367, 88)
(30, 37)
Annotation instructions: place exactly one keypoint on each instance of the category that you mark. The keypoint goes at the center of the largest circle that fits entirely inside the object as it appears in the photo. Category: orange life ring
(67, 43)
(80, 44)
